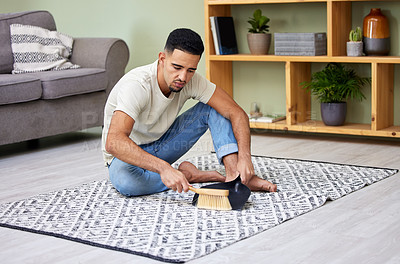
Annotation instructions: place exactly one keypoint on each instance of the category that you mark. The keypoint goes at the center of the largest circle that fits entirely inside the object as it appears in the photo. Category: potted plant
(333, 86)
(355, 45)
(258, 39)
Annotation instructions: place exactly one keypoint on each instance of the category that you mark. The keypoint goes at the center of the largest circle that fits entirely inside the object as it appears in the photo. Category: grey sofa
(36, 105)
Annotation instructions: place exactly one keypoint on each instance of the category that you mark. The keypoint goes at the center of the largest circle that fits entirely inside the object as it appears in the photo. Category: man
(142, 134)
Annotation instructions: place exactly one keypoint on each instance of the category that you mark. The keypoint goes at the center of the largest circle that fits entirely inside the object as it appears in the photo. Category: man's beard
(175, 89)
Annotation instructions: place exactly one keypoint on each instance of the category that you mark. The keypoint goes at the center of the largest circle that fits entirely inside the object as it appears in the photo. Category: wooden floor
(363, 227)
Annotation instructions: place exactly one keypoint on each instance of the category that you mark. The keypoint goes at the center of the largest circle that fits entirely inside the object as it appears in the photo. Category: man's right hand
(174, 179)
(122, 147)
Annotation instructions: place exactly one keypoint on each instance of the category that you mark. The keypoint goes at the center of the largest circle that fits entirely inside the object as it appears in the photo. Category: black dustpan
(238, 192)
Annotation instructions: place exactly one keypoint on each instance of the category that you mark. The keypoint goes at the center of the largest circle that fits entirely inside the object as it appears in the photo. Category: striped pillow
(37, 49)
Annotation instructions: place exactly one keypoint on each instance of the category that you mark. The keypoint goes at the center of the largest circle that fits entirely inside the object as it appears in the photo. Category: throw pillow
(38, 49)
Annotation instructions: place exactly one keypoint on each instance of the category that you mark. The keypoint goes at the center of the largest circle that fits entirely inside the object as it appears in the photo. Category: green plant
(335, 84)
(355, 35)
(259, 23)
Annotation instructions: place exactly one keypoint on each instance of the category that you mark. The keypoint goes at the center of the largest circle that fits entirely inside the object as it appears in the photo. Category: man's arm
(122, 147)
(227, 107)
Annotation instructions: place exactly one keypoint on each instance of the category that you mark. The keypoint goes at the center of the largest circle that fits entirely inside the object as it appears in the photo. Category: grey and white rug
(167, 227)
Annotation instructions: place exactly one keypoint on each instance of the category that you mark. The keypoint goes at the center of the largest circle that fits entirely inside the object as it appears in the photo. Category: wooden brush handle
(216, 192)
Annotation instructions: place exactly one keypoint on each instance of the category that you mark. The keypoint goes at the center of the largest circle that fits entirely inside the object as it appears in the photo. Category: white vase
(259, 43)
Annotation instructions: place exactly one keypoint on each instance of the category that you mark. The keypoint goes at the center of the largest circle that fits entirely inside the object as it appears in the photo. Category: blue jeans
(131, 180)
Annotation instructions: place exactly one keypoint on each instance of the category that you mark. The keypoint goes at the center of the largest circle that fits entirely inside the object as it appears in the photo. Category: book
(223, 31)
(214, 34)
(268, 118)
(300, 36)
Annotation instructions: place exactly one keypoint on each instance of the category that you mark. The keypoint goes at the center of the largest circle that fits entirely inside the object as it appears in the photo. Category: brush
(214, 199)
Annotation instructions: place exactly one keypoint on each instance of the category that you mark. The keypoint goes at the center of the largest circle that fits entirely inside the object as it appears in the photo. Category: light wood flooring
(363, 227)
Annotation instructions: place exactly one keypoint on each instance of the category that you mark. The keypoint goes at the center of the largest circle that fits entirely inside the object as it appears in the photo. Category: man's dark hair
(186, 40)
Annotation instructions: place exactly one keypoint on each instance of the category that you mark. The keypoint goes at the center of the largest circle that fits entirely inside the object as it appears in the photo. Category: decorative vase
(333, 114)
(354, 48)
(376, 34)
(259, 43)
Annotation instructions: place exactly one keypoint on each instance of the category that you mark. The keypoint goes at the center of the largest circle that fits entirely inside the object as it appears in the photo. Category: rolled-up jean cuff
(226, 150)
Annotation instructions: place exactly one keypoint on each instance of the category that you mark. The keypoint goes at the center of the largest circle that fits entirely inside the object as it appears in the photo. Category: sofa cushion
(35, 18)
(19, 88)
(57, 84)
(38, 49)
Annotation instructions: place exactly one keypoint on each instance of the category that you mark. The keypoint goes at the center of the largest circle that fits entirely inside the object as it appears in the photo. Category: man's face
(178, 69)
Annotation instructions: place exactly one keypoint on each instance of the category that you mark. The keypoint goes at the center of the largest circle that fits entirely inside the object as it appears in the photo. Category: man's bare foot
(194, 175)
(258, 184)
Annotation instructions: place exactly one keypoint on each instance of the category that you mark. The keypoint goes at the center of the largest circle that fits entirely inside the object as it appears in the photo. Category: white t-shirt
(138, 95)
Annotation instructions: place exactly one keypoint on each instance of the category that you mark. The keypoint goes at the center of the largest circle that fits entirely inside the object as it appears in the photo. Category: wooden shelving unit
(298, 69)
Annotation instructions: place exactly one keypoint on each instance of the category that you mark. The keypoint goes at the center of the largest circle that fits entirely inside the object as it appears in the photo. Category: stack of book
(300, 44)
(269, 118)
(224, 36)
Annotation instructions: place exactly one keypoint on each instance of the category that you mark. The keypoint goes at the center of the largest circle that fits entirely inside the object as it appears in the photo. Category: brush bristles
(213, 202)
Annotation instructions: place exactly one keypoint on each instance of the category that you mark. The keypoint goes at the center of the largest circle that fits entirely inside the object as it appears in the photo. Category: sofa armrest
(111, 54)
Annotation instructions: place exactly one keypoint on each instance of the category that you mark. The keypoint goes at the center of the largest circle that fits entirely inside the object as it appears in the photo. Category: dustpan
(238, 192)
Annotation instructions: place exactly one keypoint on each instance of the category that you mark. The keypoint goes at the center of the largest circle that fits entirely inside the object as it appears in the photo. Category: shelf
(313, 126)
(219, 70)
(273, 58)
(251, 2)
(319, 127)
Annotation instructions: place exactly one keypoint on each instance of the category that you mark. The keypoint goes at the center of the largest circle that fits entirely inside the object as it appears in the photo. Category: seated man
(143, 133)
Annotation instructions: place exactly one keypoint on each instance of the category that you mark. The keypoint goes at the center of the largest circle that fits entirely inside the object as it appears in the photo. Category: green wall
(144, 25)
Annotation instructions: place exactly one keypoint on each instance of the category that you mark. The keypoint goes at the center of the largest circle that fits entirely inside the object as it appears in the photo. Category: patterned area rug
(167, 227)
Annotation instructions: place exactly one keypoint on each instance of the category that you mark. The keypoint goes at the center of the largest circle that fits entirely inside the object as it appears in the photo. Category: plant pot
(333, 114)
(259, 43)
(354, 48)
